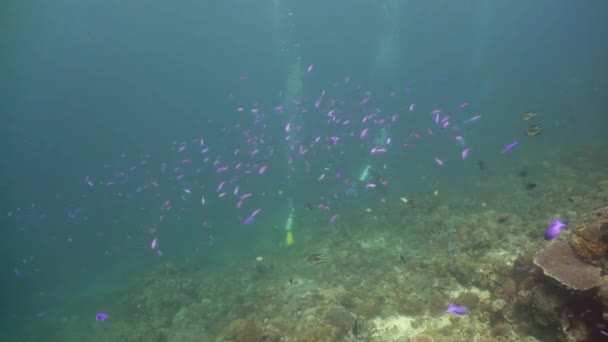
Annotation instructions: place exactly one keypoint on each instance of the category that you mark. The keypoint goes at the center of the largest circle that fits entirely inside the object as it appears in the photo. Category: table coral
(558, 261)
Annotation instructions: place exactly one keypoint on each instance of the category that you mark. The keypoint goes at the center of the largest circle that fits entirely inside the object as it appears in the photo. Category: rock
(498, 305)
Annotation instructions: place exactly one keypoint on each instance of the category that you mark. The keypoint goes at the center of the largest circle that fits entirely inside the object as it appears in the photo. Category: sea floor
(383, 273)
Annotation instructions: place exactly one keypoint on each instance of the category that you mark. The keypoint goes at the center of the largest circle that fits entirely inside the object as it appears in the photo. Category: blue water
(120, 118)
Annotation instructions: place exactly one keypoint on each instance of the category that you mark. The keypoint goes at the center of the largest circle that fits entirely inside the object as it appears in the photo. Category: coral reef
(588, 249)
(590, 239)
(387, 275)
(558, 261)
(468, 299)
(340, 318)
(240, 330)
(422, 338)
(545, 306)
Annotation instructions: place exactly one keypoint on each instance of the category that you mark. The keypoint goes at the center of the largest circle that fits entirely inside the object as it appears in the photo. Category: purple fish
(554, 229)
(465, 153)
(457, 309)
(363, 133)
(509, 147)
(101, 316)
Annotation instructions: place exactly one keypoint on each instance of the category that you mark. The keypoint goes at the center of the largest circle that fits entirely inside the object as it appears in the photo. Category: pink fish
(363, 133)
(333, 218)
(439, 161)
(154, 243)
(309, 69)
(412, 107)
(465, 153)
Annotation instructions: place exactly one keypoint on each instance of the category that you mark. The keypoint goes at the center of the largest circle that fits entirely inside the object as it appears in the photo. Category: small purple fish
(465, 153)
(457, 309)
(509, 147)
(363, 133)
(554, 229)
(101, 316)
